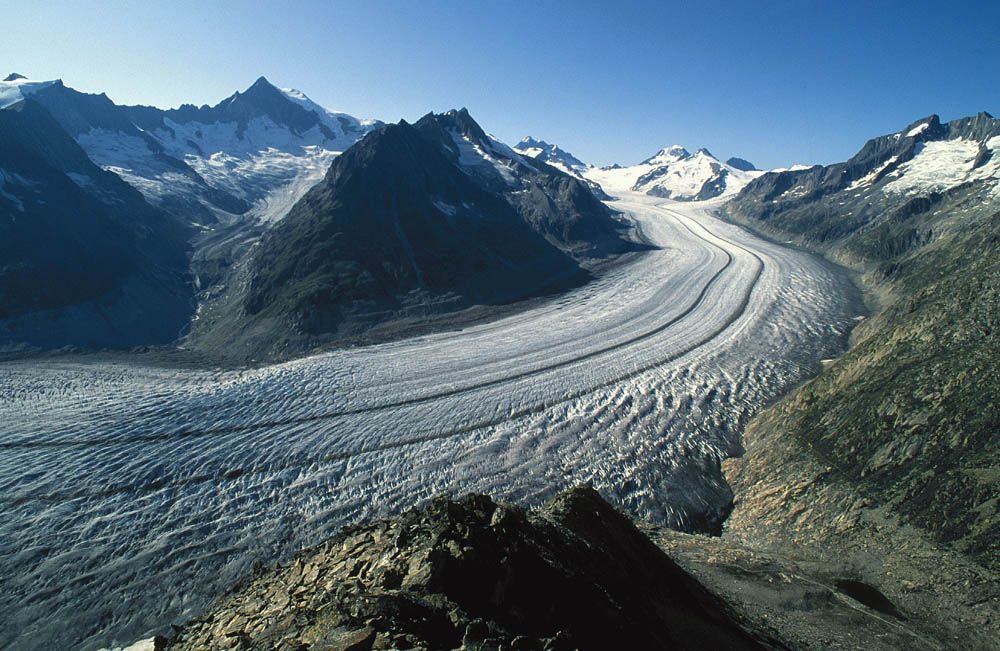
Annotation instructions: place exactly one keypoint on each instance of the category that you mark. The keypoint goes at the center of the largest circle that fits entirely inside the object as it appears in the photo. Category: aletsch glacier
(133, 495)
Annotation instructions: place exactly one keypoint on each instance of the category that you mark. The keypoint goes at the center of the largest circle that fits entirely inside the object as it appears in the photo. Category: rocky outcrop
(473, 574)
(741, 164)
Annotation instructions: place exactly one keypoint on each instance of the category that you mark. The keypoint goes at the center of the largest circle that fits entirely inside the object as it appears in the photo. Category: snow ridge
(675, 173)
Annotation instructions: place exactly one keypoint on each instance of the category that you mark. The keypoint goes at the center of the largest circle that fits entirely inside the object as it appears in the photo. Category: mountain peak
(673, 153)
(549, 153)
(262, 82)
(14, 77)
(462, 121)
(741, 164)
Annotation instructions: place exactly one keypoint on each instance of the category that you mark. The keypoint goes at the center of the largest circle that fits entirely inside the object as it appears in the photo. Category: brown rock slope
(477, 575)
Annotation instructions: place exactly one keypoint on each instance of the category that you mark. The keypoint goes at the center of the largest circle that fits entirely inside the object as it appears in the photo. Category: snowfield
(133, 495)
(674, 173)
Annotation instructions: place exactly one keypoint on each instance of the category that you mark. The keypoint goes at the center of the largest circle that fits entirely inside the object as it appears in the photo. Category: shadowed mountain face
(411, 223)
(83, 258)
(741, 164)
(559, 206)
(473, 574)
(204, 164)
(394, 216)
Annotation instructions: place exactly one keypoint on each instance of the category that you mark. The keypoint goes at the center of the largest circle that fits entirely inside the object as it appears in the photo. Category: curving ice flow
(132, 495)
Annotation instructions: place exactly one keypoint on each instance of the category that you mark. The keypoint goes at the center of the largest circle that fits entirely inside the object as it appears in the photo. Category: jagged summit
(741, 164)
(675, 173)
(463, 122)
(551, 154)
(14, 77)
(672, 153)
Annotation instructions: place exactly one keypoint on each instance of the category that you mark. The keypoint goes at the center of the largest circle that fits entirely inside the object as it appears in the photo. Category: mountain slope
(255, 141)
(559, 206)
(551, 154)
(675, 173)
(560, 159)
(907, 419)
(86, 260)
(394, 230)
(205, 164)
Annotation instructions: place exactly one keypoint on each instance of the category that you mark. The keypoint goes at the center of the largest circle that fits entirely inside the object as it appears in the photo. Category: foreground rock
(477, 575)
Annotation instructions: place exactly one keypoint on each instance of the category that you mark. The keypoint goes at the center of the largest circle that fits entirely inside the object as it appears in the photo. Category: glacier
(135, 493)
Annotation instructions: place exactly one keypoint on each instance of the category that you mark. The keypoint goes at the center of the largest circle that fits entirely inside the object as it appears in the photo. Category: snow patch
(938, 165)
(673, 173)
(446, 208)
(12, 92)
(871, 176)
(471, 155)
(917, 130)
(794, 168)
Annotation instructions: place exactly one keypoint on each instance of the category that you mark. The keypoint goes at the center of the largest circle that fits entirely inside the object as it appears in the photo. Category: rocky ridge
(473, 574)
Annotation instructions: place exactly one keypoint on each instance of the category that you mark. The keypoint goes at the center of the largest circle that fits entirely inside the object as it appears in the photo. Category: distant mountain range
(472, 222)
(672, 173)
(675, 173)
(202, 163)
(551, 154)
(246, 213)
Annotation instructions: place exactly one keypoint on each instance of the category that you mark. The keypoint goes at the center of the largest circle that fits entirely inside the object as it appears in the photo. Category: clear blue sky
(775, 82)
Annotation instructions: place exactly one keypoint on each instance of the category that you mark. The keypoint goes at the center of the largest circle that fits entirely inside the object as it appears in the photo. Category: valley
(153, 488)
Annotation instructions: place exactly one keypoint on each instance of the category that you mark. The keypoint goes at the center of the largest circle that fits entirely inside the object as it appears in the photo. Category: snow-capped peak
(15, 88)
(551, 154)
(675, 173)
(326, 114)
(668, 155)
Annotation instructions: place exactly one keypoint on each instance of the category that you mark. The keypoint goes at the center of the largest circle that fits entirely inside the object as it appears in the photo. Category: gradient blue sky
(775, 82)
